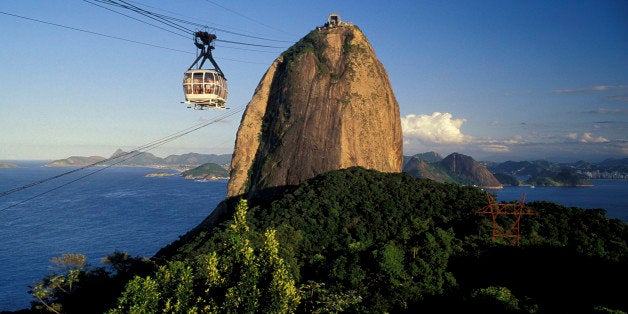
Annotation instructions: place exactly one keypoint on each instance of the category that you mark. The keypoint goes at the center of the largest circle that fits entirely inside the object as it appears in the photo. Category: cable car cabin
(205, 89)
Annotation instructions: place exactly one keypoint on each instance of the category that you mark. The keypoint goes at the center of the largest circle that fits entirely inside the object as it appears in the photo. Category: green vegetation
(75, 287)
(310, 43)
(236, 278)
(565, 177)
(380, 243)
(506, 179)
(208, 170)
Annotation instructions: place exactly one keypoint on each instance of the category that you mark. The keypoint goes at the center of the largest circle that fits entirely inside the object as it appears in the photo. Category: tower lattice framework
(517, 209)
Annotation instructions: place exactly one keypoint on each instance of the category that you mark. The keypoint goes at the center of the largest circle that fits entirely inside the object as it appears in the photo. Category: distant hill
(5, 165)
(198, 159)
(547, 173)
(565, 177)
(75, 161)
(506, 179)
(463, 169)
(422, 169)
(467, 170)
(607, 169)
(456, 168)
(524, 168)
(429, 157)
(208, 171)
(144, 159)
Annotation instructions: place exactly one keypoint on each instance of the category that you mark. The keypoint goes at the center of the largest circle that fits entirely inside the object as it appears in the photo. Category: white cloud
(572, 136)
(495, 148)
(588, 138)
(517, 139)
(435, 128)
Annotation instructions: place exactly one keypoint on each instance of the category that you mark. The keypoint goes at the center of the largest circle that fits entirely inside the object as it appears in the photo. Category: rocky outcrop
(469, 171)
(324, 104)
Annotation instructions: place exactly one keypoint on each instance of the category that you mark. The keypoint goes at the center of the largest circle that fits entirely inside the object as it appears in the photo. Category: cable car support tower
(509, 209)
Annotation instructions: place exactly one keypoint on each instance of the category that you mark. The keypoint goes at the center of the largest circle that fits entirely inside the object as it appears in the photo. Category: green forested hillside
(398, 243)
(362, 241)
(208, 171)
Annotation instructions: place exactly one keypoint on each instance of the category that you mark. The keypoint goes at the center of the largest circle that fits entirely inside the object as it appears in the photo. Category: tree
(235, 278)
(53, 288)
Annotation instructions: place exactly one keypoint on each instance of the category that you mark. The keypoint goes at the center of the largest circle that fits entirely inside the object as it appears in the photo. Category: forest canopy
(359, 240)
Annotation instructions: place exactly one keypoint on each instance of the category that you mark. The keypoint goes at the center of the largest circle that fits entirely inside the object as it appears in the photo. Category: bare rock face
(325, 104)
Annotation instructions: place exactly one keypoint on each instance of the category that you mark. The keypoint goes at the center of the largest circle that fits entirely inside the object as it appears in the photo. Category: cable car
(205, 88)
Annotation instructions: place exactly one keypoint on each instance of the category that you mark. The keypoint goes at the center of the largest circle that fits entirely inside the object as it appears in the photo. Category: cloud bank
(438, 128)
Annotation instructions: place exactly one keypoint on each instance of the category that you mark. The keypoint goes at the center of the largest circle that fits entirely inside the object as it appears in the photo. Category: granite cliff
(324, 104)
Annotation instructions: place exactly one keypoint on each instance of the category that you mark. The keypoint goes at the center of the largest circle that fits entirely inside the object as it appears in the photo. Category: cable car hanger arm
(203, 41)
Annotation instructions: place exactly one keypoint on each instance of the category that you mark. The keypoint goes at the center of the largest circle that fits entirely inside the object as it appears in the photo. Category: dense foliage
(565, 177)
(210, 170)
(363, 241)
(506, 179)
(236, 278)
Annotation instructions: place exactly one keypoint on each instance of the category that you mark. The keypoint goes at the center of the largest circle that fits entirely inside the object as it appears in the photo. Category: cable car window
(209, 89)
(209, 77)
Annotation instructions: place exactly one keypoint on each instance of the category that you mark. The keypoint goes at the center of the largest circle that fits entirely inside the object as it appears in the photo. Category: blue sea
(605, 193)
(118, 208)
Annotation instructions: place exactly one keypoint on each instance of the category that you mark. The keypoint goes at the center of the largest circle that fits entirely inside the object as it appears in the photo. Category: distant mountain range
(461, 169)
(144, 159)
(455, 168)
(607, 169)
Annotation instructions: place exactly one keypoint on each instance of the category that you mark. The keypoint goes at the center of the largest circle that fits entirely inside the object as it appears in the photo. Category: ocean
(117, 208)
(605, 193)
(120, 209)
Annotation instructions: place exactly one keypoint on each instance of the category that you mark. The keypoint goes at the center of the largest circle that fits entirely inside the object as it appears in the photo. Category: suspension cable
(91, 32)
(133, 18)
(176, 23)
(118, 158)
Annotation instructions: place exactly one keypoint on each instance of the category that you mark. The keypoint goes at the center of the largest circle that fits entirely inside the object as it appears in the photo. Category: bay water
(116, 208)
(98, 210)
(607, 194)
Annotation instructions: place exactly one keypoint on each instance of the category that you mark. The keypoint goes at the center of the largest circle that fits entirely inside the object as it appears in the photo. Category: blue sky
(496, 80)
